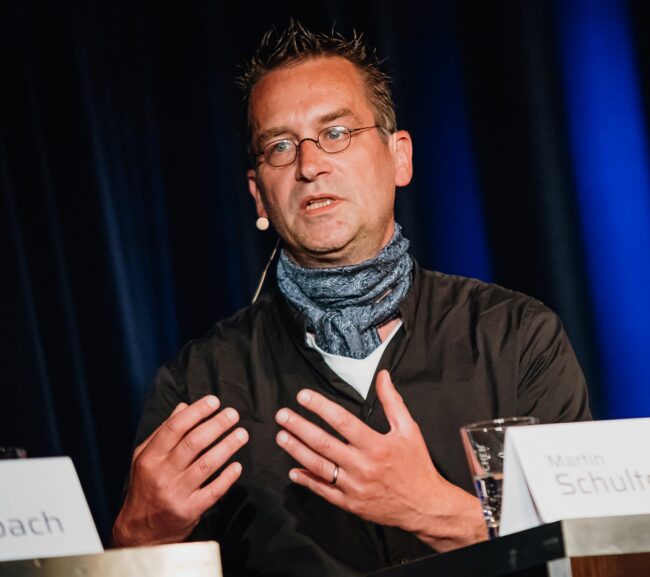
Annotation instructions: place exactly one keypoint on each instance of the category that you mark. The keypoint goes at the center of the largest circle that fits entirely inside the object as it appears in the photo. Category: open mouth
(319, 203)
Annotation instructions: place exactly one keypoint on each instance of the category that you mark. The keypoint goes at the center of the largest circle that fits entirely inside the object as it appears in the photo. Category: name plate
(575, 470)
(43, 511)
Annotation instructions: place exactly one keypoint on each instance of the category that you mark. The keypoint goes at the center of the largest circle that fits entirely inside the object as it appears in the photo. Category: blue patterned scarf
(345, 305)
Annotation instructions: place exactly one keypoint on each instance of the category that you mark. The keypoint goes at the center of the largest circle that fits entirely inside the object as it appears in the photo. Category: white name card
(575, 470)
(43, 511)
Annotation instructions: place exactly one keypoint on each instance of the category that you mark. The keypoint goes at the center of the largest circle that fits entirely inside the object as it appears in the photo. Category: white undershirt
(357, 373)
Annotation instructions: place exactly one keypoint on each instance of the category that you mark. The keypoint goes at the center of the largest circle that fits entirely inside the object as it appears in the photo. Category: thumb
(396, 412)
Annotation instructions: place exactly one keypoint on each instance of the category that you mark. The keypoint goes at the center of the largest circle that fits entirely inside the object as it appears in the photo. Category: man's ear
(402, 146)
(255, 193)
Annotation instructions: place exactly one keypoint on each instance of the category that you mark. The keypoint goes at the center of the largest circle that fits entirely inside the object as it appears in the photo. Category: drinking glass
(484, 443)
(12, 453)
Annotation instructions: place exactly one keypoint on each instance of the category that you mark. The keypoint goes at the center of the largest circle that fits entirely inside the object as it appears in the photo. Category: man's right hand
(166, 495)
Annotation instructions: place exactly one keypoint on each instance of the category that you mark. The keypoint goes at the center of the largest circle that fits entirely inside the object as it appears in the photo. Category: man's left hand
(387, 479)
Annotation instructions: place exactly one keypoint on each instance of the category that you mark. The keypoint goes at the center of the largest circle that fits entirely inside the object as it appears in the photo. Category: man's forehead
(317, 90)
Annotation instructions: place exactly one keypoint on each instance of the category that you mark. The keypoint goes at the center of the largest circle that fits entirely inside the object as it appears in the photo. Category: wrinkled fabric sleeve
(552, 386)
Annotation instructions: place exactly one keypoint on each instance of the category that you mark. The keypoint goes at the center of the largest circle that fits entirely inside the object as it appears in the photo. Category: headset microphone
(260, 284)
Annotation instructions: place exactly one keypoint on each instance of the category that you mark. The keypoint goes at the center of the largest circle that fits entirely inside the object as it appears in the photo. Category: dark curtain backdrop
(127, 228)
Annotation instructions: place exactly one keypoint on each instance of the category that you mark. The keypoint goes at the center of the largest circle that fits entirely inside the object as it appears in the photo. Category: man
(349, 381)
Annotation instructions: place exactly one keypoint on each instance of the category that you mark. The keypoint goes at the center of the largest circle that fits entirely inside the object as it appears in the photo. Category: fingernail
(282, 416)
(304, 397)
(212, 401)
(237, 468)
(293, 476)
(231, 414)
(282, 437)
(241, 435)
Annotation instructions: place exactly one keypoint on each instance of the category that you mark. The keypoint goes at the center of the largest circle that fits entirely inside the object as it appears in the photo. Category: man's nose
(312, 160)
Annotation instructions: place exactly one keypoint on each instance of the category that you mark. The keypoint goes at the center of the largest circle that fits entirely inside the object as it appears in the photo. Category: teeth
(319, 204)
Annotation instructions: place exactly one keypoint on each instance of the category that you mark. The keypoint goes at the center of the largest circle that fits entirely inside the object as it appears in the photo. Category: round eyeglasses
(332, 139)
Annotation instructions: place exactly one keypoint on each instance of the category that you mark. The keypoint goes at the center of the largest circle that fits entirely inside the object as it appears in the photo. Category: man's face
(330, 209)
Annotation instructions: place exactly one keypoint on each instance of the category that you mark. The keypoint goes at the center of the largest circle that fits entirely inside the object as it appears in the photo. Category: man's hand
(387, 479)
(166, 495)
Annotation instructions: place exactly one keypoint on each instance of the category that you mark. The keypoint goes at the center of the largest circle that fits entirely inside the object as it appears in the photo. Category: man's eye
(335, 133)
(281, 146)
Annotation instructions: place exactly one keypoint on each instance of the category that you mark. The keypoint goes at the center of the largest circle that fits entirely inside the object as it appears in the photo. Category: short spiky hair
(297, 43)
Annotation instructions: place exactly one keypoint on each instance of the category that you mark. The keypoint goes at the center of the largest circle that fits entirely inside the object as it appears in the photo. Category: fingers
(394, 408)
(178, 408)
(325, 489)
(201, 437)
(141, 447)
(304, 435)
(211, 461)
(166, 495)
(342, 421)
(206, 497)
(321, 463)
(168, 435)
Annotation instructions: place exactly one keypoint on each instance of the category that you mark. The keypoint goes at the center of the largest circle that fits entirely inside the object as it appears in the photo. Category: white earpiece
(262, 223)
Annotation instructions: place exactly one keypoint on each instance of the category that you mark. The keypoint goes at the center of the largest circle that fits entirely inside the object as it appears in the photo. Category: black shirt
(466, 351)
